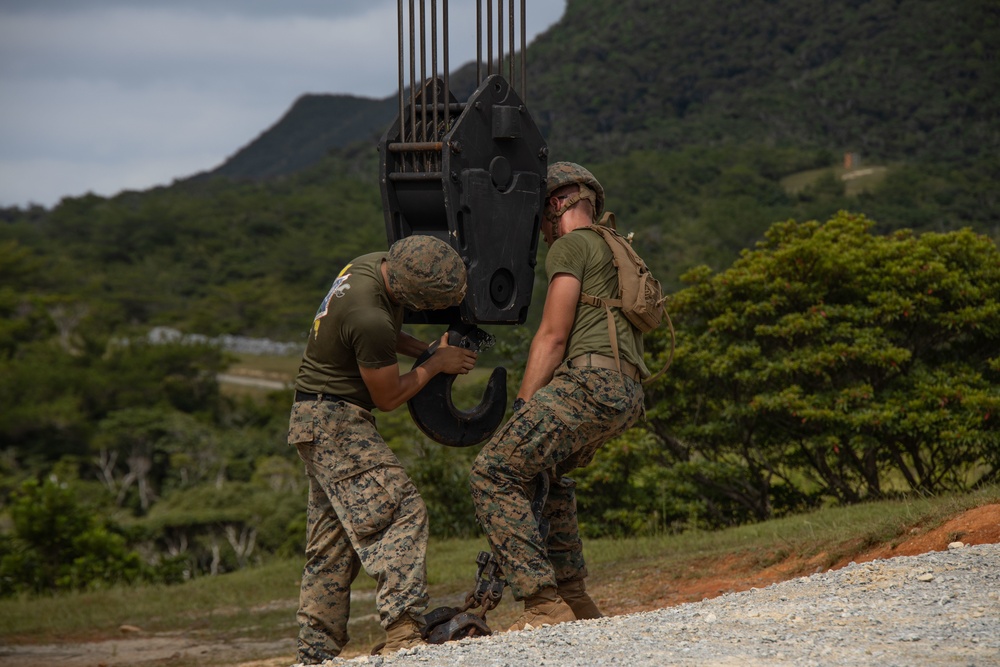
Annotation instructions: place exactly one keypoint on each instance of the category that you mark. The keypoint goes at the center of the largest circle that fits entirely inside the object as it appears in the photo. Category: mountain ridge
(894, 79)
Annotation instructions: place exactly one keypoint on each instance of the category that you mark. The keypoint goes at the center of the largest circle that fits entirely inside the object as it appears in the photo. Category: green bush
(58, 544)
(839, 363)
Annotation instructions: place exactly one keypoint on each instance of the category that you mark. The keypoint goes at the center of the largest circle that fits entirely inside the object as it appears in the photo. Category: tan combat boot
(574, 593)
(402, 633)
(543, 608)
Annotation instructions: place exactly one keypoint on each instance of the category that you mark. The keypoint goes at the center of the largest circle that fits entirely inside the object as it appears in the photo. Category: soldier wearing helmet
(571, 401)
(363, 509)
(569, 183)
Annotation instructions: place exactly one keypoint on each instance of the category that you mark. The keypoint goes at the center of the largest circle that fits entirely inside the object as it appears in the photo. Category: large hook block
(478, 183)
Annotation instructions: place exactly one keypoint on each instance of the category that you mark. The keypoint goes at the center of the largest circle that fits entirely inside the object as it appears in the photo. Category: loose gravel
(939, 608)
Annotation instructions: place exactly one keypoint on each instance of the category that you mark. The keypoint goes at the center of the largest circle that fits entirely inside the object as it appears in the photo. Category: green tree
(635, 487)
(833, 362)
(225, 525)
(136, 448)
(60, 544)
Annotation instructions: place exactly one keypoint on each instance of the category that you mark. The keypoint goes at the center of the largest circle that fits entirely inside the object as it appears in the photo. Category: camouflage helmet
(425, 273)
(568, 173)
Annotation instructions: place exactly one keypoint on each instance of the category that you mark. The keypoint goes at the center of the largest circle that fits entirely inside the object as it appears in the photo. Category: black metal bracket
(433, 410)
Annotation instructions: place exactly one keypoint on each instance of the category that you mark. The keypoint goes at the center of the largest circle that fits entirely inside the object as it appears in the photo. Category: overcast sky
(109, 95)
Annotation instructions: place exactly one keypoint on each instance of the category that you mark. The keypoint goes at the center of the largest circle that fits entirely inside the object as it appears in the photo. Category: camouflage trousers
(363, 511)
(558, 430)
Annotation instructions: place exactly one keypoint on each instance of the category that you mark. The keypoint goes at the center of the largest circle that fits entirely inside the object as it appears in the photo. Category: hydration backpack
(640, 296)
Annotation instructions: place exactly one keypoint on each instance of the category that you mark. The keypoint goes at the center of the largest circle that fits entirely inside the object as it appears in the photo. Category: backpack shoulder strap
(605, 302)
(598, 301)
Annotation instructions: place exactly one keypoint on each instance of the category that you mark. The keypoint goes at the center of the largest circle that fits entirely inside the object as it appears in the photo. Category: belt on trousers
(306, 396)
(600, 361)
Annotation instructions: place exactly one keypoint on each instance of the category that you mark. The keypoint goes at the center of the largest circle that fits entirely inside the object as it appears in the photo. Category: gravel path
(940, 608)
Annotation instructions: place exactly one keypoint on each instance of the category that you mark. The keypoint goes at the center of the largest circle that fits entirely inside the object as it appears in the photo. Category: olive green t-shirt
(356, 325)
(586, 255)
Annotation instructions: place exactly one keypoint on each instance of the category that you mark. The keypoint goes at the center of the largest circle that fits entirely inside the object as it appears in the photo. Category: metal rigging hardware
(472, 174)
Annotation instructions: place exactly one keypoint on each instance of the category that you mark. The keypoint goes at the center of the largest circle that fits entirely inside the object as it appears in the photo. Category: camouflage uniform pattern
(558, 430)
(363, 511)
(425, 273)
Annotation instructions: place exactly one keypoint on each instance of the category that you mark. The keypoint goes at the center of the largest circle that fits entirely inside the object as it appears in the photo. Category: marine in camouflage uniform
(363, 509)
(571, 401)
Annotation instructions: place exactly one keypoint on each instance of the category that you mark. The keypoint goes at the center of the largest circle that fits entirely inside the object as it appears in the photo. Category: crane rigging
(471, 173)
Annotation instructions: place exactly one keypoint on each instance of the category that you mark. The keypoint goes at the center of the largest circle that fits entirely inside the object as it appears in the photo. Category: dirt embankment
(644, 591)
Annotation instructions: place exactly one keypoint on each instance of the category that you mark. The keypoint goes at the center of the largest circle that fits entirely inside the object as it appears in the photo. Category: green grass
(260, 602)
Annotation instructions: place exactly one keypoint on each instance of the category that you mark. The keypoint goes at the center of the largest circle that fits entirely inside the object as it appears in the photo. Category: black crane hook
(433, 410)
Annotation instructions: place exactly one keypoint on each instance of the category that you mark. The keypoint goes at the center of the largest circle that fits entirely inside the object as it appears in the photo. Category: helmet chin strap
(555, 217)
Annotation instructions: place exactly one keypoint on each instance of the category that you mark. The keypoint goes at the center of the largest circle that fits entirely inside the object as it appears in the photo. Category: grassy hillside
(247, 612)
(217, 257)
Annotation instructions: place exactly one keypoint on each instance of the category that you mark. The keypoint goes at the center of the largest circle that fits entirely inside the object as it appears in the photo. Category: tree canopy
(833, 363)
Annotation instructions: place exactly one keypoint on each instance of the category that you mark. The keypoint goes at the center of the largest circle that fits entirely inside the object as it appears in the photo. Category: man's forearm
(389, 389)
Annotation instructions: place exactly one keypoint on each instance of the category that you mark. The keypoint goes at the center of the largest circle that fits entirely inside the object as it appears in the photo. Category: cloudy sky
(109, 95)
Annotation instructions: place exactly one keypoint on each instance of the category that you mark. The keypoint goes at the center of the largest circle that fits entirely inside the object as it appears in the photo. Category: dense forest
(891, 79)
(837, 328)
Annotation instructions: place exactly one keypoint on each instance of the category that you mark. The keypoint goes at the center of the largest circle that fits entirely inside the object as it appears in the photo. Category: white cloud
(104, 96)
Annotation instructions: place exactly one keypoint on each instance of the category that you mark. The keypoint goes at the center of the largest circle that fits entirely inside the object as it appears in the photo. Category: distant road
(251, 381)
